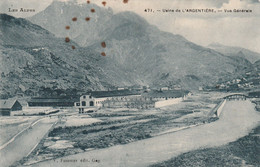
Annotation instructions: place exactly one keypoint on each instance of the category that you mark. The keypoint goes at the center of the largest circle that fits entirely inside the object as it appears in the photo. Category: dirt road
(236, 121)
(23, 143)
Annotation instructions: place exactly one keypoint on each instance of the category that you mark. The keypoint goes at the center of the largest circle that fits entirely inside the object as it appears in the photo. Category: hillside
(142, 51)
(236, 51)
(35, 58)
(257, 64)
(163, 59)
(59, 15)
(32, 59)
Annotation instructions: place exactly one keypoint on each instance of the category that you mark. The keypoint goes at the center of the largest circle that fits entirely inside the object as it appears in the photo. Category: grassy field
(123, 126)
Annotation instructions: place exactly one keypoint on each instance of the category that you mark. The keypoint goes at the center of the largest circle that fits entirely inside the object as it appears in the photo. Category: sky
(230, 29)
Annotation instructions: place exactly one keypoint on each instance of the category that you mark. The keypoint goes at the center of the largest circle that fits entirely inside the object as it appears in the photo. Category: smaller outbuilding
(8, 105)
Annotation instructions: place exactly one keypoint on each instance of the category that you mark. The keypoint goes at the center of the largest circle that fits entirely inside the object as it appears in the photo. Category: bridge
(218, 108)
(236, 97)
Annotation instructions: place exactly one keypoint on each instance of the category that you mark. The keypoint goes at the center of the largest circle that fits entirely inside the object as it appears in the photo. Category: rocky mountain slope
(32, 58)
(137, 53)
(59, 15)
(161, 58)
(257, 64)
(236, 51)
(150, 56)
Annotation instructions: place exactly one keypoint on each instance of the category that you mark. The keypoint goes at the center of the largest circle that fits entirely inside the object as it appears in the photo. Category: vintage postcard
(129, 83)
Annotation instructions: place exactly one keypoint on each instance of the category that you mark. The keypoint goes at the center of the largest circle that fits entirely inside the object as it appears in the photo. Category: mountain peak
(61, 3)
(74, 6)
(130, 16)
(215, 44)
(84, 31)
(136, 53)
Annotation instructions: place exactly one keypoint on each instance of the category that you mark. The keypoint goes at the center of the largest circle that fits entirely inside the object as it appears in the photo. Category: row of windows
(91, 103)
(83, 103)
(84, 97)
(81, 109)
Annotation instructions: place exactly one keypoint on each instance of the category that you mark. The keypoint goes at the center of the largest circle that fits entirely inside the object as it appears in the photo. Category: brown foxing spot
(88, 2)
(92, 10)
(67, 27)
(125, 1)
(67, 39)
(74, 19)
(73, 47)
(103, 54)
(87, 18)
(104, 3)
(103, 44)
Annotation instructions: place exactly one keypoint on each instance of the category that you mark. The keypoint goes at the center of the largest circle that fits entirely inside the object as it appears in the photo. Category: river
(237, 119)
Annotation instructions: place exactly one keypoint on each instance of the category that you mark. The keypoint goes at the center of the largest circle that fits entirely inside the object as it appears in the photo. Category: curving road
(24, 142)
(237, 120)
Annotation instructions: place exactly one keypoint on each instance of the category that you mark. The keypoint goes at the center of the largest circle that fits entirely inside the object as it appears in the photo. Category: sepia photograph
(130, 83)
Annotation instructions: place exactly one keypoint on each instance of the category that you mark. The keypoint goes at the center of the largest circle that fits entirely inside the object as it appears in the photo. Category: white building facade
(92, 102)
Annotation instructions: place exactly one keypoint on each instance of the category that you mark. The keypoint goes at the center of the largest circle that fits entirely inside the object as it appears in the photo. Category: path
(237, 120)
(22, 144)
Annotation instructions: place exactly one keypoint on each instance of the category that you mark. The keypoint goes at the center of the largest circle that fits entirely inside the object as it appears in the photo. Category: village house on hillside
(130, 99)
(8, 105)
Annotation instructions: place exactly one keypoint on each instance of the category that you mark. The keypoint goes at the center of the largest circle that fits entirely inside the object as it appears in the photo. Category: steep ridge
(137, 53)
(236, 51)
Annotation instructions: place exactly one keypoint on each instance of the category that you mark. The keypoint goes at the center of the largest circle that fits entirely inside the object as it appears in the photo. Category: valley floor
(127, 137)
(237, 120)
(77, 133)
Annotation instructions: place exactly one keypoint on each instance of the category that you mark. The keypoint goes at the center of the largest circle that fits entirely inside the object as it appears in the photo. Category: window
(84, 97)
(77, 104)
(83, 103)
(91, 103)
